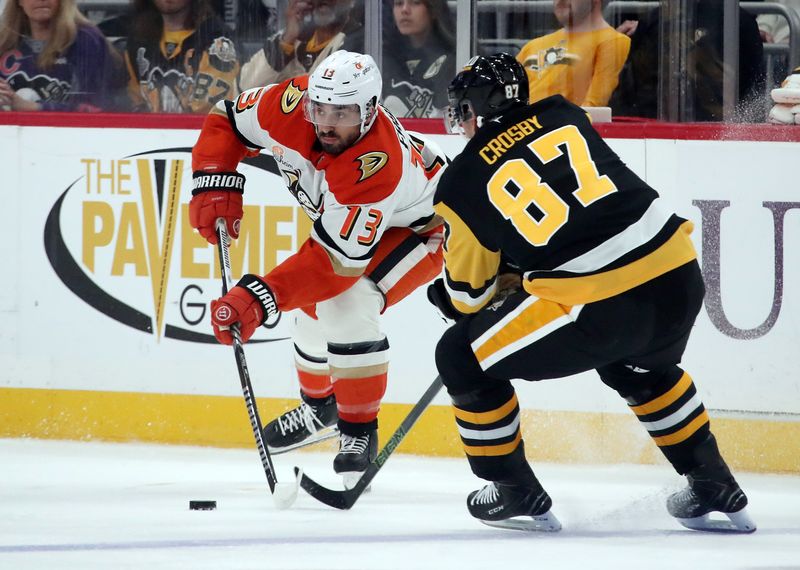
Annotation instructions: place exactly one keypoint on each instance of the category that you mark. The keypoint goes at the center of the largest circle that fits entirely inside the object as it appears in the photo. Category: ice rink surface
(70, 505)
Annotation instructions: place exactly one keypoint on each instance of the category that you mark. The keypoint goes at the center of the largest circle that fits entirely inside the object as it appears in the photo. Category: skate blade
(546, 522)
(322, 435)
(738, 522)
(350, 479)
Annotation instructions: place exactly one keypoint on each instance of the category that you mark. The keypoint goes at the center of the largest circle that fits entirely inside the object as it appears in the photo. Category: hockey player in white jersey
(368, 186)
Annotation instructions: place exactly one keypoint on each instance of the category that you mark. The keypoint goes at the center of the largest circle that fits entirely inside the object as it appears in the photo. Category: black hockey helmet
(485, 87)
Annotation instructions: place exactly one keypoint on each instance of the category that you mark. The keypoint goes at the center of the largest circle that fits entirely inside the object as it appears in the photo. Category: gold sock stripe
(684, 433)
(487, 417)
(493, 450)
(665, 399)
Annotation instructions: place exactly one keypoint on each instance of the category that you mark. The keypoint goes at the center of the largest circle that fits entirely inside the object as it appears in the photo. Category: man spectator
(314, 29)
(180, 57)
(581, 61)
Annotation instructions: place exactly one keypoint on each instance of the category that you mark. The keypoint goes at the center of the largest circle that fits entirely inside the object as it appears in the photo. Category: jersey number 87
(533, 190)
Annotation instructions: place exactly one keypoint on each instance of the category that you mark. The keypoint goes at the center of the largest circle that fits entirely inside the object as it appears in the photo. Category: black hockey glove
(438, 296)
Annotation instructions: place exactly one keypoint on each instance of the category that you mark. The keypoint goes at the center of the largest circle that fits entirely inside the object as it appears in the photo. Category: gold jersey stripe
(676, 251)
(684, 433)
(466, 260)
(531, 319)
(339, 268)
(665, 399)
(483, 418)
(493, 450)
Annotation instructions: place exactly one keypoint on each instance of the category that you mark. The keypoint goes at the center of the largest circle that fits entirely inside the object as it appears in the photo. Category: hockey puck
(202, 505)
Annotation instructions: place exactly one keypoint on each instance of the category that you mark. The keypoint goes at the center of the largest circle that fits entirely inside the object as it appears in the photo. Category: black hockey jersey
(187, 71)
(540, 187)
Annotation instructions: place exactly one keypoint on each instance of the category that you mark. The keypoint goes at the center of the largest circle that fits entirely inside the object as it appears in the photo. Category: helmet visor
(328, 115)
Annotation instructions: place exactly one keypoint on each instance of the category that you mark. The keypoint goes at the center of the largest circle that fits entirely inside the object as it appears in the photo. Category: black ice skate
(314, 420)
(707, 494)
(712, 489)
(518, 507)
(355, 454)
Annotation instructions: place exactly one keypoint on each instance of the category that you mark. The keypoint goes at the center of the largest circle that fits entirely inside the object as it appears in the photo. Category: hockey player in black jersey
(559, 260)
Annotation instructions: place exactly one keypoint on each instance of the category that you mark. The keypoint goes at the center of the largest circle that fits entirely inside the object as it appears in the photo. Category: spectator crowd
(179, 56)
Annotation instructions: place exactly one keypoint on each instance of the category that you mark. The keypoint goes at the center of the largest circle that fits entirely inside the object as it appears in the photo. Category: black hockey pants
(634, 340)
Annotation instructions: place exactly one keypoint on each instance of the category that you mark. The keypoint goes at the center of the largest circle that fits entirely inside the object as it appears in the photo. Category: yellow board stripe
(493, 450)
(531, 319)
(757, 445)
(487, 417)
(684, 433)
(676, 251)
(665, 399)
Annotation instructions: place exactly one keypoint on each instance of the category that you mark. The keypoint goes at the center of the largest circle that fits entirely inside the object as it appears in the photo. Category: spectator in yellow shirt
(581, 61)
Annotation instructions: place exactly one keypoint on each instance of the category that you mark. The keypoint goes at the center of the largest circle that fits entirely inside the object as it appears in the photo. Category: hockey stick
(347, 498)
(283, 494)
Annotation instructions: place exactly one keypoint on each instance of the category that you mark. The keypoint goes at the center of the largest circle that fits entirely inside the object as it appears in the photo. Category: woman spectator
(51, 58)
(180, 57)
(419, 59)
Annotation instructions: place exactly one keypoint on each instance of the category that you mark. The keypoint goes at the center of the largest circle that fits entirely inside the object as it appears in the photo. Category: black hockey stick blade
(347, 498)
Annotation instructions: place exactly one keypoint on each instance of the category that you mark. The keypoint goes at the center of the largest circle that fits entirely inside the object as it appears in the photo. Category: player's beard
(331, 147)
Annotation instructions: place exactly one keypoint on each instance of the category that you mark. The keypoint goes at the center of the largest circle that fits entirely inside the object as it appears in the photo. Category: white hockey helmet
(344, 78)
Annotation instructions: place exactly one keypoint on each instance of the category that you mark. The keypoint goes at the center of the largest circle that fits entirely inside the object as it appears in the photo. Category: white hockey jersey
(386, 179)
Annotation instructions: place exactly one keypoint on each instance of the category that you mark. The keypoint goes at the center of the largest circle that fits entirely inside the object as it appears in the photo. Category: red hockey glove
(217, 195)
(249, 303)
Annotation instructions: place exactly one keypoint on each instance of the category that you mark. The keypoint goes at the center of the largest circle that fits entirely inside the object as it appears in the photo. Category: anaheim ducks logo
(291, 97)
(371, 162)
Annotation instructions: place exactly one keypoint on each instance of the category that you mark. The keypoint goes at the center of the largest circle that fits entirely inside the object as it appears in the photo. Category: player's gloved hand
(439, 297)
(786, 110)
(216, 195)
(249, 303)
